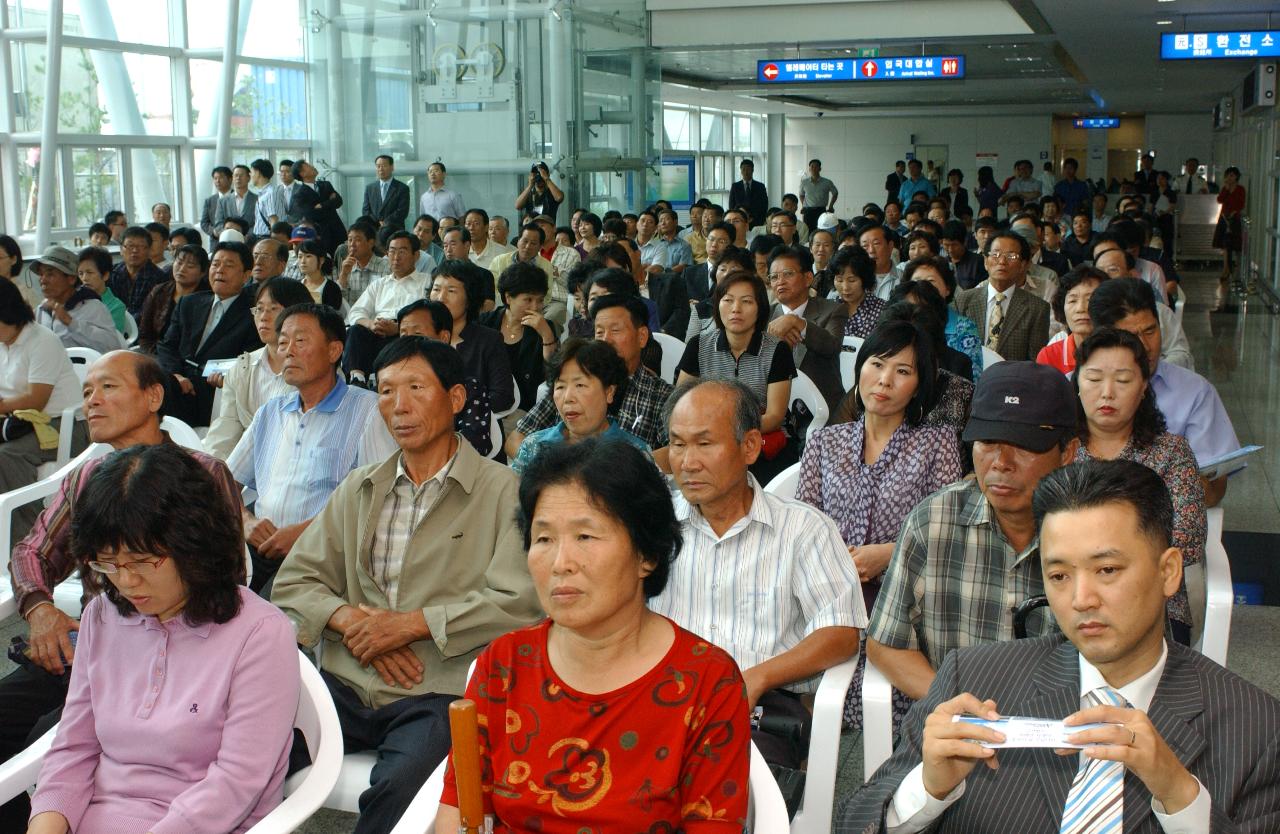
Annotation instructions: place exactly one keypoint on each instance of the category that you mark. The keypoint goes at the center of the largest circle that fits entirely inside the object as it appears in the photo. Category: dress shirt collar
(753, 347)
(330, 402)
(1139, 692)
(440, 477)
(978, 511)
(154, 624)
(758, 511)
(798, 311)
(992, 291)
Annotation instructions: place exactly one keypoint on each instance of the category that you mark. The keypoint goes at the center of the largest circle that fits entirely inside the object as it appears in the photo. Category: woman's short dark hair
(579, 277)
(100, 258)
(922, 317)
(925, 294)
(855, 258)
(615, 252)
(616, 281)
(14, 310)
(764, 244)
(1095, 483)
(197, 252)
(11, 247)
(597, 359)
(758, 289)
(315, 247)
(1148, 421)
(930, 240)
(284, 291)
(591, 220)
(621, 481)
(445, 362)
(956, 172)
(1069, 282)
(130, 502)
(739, 257)
(887, 339)
(464, 273)
(942, 265)
(521, 278)
(1231, 169)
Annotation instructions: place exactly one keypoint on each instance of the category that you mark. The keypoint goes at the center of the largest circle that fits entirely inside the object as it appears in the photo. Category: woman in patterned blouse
(855, 281)
(1119, 419)
(605, 716)
(961, 331)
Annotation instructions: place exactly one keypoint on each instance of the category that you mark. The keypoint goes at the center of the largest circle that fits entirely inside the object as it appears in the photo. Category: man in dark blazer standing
(387, 199)
(239, 202)
(1181, 744)
(324, 213)
(204, 326)
(1021, 326)
(814, 327)
(749, 195)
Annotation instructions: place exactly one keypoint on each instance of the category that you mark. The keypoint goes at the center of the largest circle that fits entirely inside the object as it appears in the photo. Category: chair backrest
(803, 389)
(40, 490)
(81, 358)
(495, 437)
(766, 810)
(785, 483)
(515, 386)
(130, 329)
(990, 357)
(1218, 591)
(848, 365)
(181, 433)
(672, 351)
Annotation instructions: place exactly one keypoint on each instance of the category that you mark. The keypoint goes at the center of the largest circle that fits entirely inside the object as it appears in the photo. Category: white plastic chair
(181, 433)
(1219, 592)
(19, 773)
(803, 389)
(672, 351)
(990, 357)
(499, 414)
(81, 358)
(130, 329)
(877, 719)
(785, 482)
(1178, 306)
(495, 437)
(766, 809)
(849, 362)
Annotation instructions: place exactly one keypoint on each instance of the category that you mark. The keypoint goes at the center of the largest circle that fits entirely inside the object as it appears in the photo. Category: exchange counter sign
(817, 70)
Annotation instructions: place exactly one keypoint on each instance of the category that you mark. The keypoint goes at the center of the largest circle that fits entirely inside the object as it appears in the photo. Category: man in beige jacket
(413, 566)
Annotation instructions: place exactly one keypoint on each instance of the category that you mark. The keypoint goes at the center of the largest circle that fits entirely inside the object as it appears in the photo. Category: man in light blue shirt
(439, 201)
(268, 209)
(915, 182)
(301, 445)
(664, 251)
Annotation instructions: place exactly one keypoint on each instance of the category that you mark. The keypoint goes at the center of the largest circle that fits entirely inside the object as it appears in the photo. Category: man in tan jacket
(413, 566)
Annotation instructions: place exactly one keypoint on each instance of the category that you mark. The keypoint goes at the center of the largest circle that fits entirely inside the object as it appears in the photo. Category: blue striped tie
(1095, 803)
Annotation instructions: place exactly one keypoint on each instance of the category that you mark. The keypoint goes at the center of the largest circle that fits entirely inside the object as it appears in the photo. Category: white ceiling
(1082, 56)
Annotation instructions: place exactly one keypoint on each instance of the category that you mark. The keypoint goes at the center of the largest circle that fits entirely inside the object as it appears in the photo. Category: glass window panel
(269, 103)
(742, 133)
(676, 126)
(206, 24)
(153, 179)
(713, 130)
(28, 183)
(127, 21)
(95, 183)
(274, 30)
(100, 92)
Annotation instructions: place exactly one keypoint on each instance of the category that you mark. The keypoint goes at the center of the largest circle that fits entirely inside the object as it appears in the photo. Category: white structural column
(230, 47)
(49, 128)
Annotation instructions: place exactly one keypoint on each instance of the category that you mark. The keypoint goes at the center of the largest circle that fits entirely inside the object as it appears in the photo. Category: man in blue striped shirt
(301, 445)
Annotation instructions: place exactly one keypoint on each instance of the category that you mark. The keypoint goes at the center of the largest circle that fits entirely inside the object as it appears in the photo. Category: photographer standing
(541, 196)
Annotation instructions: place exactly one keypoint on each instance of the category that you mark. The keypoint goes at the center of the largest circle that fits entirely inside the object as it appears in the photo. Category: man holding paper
(1178, 744)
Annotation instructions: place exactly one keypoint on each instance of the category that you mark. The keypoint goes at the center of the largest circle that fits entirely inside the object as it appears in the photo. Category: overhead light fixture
(1164, 1)
(1164, 22)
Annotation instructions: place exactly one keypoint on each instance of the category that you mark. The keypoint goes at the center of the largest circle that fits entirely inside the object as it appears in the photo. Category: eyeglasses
(786, 273)
(265, 311)
(141, 567)
(1007, 257)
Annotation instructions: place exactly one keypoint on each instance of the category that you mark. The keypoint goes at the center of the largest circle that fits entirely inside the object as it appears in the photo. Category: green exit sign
(872, 52)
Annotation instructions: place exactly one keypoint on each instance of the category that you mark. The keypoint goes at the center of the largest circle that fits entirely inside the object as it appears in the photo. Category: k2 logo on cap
(1011, 401)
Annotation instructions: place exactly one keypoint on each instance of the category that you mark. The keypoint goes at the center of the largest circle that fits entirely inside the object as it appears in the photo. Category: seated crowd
(650, 483)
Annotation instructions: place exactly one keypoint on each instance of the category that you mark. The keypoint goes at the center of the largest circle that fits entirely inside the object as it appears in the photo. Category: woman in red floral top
(606, 717)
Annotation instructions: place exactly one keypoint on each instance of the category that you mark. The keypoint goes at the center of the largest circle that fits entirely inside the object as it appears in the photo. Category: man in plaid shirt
(123, 393)
(969, 553)
(622, 321)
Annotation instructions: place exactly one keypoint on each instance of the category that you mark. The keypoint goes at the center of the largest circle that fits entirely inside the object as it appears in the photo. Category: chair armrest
(877, 719)
(65, 431)
(8, 604)
(1219, 592)
(20, 772)
(814, 814)
(420, 816)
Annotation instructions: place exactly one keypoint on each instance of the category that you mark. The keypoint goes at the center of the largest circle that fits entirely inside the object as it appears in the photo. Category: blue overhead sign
(1098, 121)
(808, 71)
(1181, 46)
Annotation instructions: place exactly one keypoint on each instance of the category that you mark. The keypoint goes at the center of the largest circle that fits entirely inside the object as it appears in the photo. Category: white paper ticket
(1029, 732)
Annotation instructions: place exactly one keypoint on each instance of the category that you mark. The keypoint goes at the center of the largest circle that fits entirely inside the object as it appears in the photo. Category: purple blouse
(1170, 457)
(174, 729)
(865, 318)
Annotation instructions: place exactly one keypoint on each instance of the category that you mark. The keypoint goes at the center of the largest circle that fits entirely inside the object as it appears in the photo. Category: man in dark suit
(209, 213)
(387, 200)
(1020, 328)
(239, 202)
(749, 195)
(699, 279)
(204, 326)
(814, 327)
(1181, 744)
(323, 214)
(893, 182)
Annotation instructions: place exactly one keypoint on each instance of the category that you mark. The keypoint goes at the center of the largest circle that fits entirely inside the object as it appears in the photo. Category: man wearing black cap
(969, 553)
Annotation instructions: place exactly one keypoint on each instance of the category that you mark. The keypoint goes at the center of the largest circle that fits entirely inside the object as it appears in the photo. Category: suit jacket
(668, 291)
(227, 208)
(300, 201)
(1026, 322)
(1222, 728)
(208, 216)
(394, 211)
(324, 214)
(1056, 261)
(755, 200)
(180, 351)
(697, 283)
(818, 356)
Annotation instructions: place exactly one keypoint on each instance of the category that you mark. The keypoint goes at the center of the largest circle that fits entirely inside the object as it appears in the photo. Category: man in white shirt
(1190, 181)
(1023, 184)
(372, 319)
(483, 250)
(766, 578)
(268, 209)
(437, 200)
(1175, 736)
(874, 240)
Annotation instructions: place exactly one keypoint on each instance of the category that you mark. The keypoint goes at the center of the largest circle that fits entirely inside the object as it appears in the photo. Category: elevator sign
(1181, 46)
(809, 71)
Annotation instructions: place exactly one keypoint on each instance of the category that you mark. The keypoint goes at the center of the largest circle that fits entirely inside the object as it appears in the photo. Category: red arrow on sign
(869, 69)
(770, 71)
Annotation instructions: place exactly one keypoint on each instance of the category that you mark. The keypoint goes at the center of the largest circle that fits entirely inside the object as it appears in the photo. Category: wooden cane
(464, 727)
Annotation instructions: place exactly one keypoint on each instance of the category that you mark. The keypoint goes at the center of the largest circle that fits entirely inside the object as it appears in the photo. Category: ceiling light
(1164, 1)
(1164, 22)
